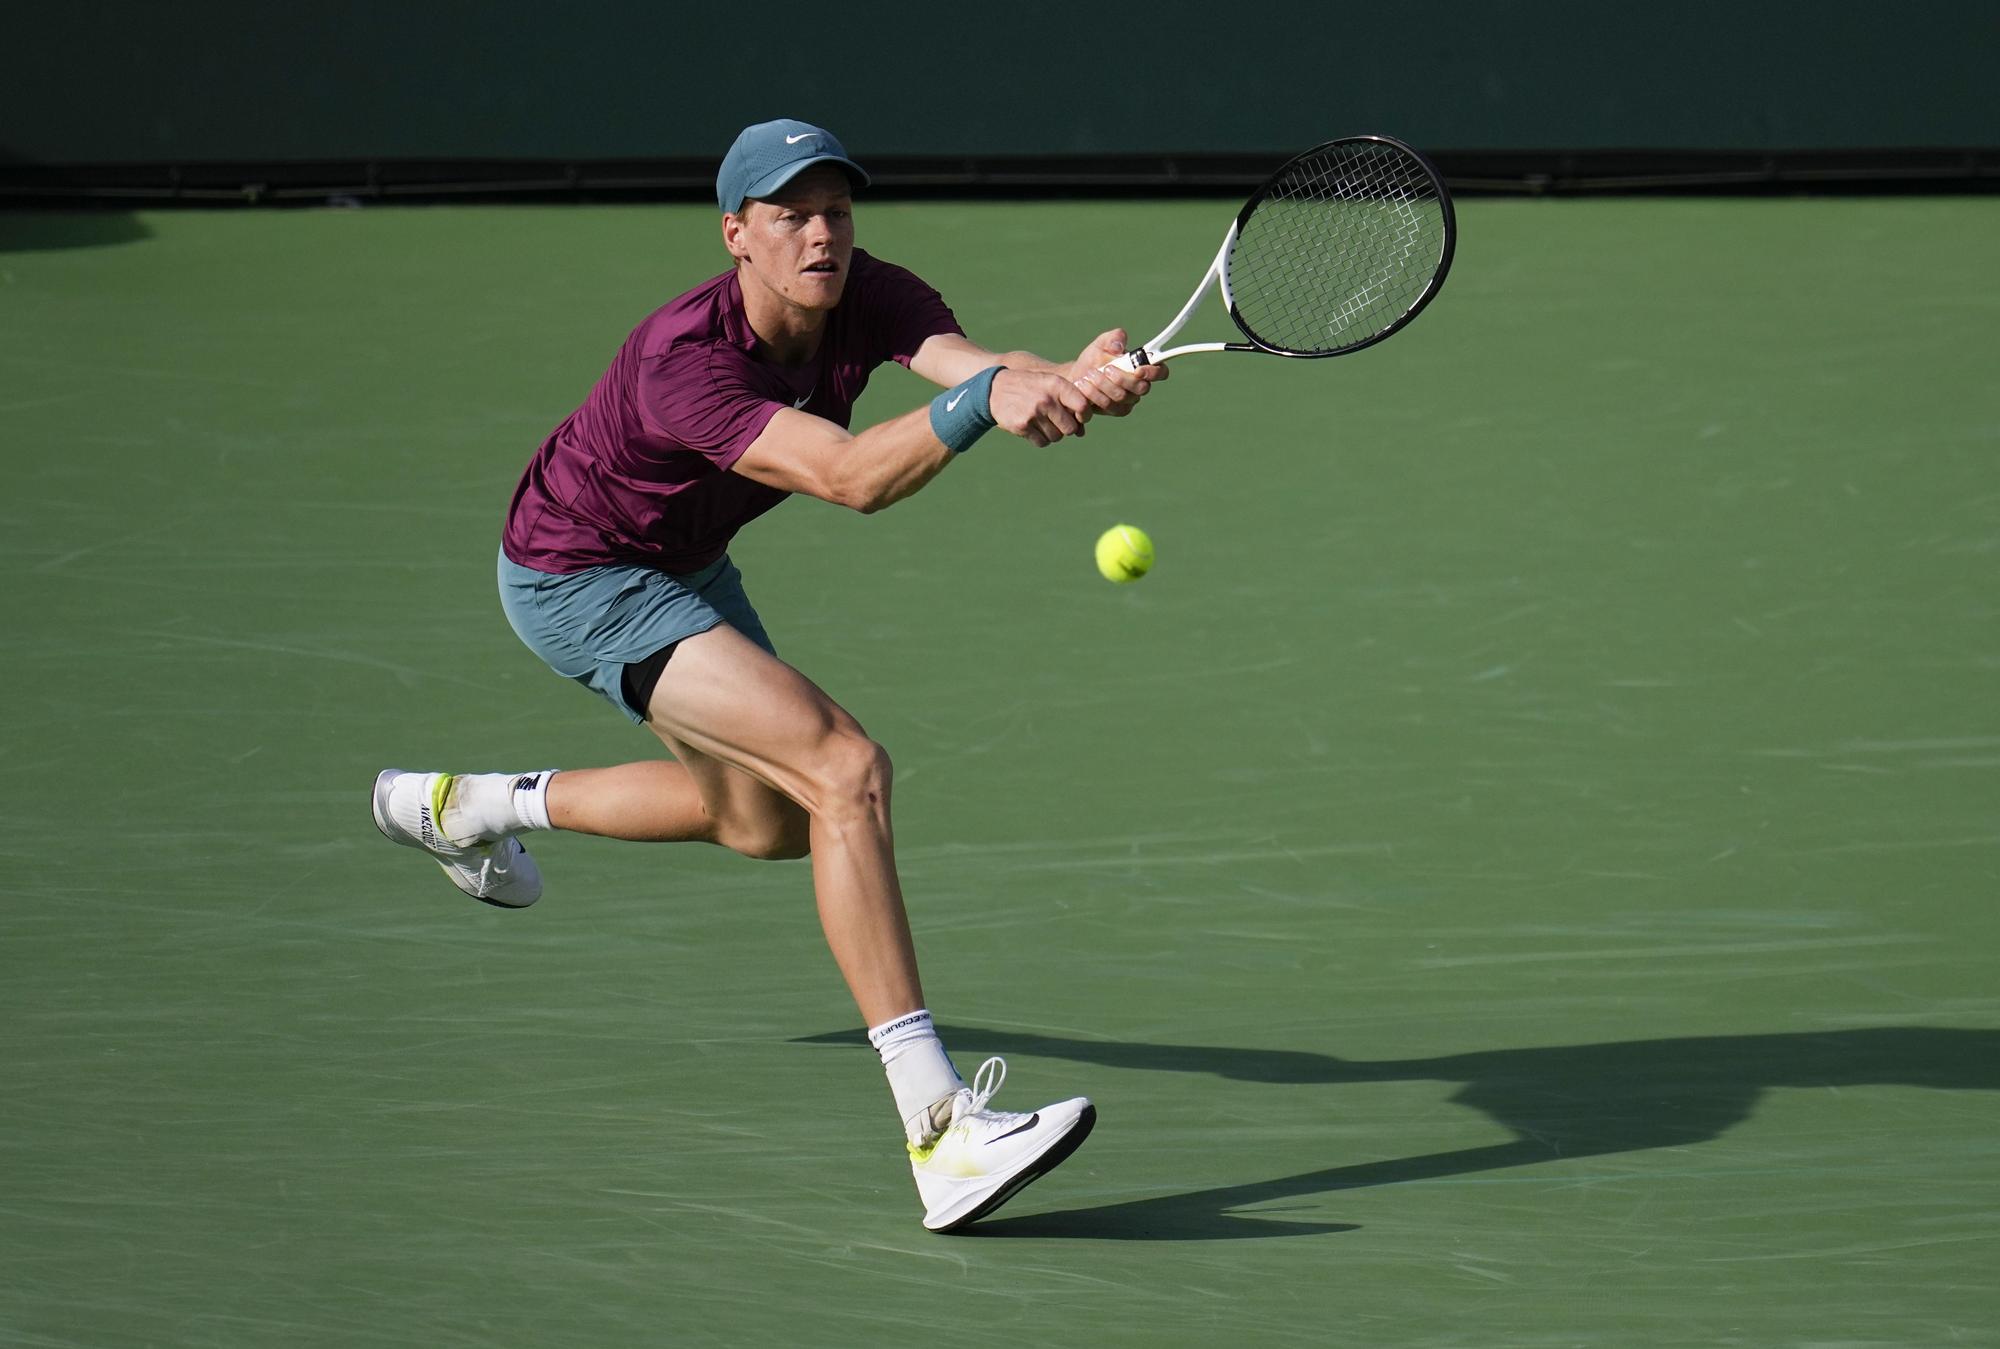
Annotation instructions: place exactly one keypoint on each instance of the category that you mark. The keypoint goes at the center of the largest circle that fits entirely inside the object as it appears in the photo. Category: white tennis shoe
(986, 1157)
(409, 809)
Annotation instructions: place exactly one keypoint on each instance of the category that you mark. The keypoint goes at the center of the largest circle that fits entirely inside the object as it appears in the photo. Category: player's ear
(732, 234)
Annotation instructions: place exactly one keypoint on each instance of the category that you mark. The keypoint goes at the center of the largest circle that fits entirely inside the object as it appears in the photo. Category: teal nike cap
(767, 156)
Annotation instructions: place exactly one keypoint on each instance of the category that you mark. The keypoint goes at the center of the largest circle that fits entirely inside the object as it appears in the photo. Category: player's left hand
(1112, 392)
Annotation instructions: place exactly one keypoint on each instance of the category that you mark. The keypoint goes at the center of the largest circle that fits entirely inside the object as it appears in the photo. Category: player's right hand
(1040, 408)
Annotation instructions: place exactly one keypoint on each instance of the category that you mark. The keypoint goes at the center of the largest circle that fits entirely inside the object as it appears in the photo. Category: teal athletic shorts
(591, 624)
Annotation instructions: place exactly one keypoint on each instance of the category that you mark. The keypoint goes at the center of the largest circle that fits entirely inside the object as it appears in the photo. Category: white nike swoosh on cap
(794, 140)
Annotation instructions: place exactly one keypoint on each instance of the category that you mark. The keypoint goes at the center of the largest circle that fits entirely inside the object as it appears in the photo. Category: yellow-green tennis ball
(1124, 553)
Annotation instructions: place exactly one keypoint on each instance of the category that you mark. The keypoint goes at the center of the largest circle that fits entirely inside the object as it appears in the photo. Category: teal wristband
(962, 415)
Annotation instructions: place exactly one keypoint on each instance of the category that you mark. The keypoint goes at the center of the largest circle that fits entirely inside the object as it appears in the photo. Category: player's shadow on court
(1561, 1103)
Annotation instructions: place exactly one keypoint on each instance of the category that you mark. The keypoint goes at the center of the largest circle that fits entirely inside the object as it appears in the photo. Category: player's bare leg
(652, 801)
(694, 800)
(732, 702)
(728, 701)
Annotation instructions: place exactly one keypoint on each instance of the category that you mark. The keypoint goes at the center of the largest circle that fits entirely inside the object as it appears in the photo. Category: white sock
(485, 806)
(920, 1072)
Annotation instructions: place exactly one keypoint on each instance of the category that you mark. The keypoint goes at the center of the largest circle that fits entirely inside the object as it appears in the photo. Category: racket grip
(1131, 360)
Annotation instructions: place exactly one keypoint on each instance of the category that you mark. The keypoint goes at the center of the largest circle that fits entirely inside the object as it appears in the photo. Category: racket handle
(1131, 360)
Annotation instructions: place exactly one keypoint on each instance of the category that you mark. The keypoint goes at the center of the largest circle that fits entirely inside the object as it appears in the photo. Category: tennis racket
(1340, 248)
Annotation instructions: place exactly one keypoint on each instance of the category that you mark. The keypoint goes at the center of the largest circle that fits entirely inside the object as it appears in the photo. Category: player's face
(800, 241)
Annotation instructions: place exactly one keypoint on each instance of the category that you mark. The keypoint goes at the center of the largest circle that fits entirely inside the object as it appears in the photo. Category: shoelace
(985, 1083)
(492, 871)
(966, 1101)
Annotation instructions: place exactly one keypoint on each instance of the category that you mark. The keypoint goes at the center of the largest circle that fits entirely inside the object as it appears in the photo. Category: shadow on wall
(36, 216)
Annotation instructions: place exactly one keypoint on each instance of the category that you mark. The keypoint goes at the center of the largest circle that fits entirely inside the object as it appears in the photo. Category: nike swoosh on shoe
(1021, 1128)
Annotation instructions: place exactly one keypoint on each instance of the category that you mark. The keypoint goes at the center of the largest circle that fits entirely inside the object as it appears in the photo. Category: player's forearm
(1028, 360)
(864, 471)
(798, 452)
(947, 358)
(889, 462)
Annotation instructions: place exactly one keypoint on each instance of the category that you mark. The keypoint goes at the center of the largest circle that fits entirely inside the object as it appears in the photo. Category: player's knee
(855, 777)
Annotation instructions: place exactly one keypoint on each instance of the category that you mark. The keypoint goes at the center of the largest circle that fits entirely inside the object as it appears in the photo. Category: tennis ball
(1124, 553)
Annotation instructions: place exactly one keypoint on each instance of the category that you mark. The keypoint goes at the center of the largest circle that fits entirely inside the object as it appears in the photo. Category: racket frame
(1218, 272)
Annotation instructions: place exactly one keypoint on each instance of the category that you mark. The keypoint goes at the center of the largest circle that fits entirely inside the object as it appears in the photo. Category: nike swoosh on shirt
(954, 402)
(1032, 1121)
(794, 140)
(803, 401)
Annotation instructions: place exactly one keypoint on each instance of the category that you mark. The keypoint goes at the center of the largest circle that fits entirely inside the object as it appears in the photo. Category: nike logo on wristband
(953, 404)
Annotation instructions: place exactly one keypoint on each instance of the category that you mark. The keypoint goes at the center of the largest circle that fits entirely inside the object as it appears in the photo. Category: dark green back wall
(118, 81)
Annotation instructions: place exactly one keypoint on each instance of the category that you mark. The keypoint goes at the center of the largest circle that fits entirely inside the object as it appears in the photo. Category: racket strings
(1339, 249)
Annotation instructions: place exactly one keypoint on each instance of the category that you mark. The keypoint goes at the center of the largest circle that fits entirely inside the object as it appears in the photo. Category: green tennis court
(1520, 871)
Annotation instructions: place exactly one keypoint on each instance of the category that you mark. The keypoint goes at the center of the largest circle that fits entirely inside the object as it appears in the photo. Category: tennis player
(614, 569)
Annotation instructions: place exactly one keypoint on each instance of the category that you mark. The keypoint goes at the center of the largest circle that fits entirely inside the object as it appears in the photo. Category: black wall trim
(1506, 172)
